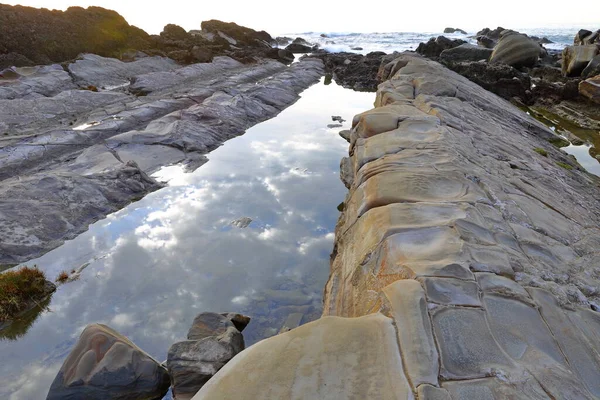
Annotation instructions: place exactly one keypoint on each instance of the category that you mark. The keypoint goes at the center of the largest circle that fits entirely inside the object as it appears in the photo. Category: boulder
(465, 52)
(106, 365)
(593, 68)
(435, 46)
(174, 32)
(585, 37)
(213, 340)
(576, 58)
(282, 40)
(241, 34)
(492, 34)
(201, 54)
(486, 41)
(516, 50)
(454, 30)
(590, 88)
(299, 48)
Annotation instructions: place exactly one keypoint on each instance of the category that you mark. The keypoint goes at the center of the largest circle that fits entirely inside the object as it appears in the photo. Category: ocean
(389, 42)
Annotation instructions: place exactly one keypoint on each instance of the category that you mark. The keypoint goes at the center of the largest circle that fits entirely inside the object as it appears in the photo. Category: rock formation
(454, 30)
(434, 47)
(106, 365)
(82, 154)
(516, 50)
(590, 88)
(213, 340)
(465, 264)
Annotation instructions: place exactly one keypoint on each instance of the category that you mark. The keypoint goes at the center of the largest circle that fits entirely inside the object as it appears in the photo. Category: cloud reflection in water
(159, 262)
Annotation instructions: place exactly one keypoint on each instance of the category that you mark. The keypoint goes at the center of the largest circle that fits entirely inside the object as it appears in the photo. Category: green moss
(541, 151)
(559, 142)
(18, 289)
(564, 165)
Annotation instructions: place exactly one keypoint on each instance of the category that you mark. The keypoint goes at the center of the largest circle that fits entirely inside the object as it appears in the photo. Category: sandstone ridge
(465, 263)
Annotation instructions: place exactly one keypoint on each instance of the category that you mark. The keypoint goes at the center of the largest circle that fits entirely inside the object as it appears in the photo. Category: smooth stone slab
(449, 291)
(428, 392)
(582, 355)
(409, 310)
(493, 283)
(496, 389)
(331, 358)
(467, 348)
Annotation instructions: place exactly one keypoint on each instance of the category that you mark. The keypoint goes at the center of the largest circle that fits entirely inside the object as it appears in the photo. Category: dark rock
(465, 52)
(299, 48)
(174, 32)
(516, 50)
(434, 47)
(353, 70)
(582, 34)
(213, 340)
(301, 41)
(106, 365)
(324, 35)
(492, 34)
(201, 54)
(240, 34)
(357, 48)
(454, 30)
(15, 60)
(504, 80)
(592, 69)
(338, 118)
(585, 37)
(486, 41)
(282, 40)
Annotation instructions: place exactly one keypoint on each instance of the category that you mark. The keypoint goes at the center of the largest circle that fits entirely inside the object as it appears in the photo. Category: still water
(150, 268)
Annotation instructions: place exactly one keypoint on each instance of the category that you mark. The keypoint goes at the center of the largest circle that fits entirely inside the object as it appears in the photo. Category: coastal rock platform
(466, 261)
(80, 142)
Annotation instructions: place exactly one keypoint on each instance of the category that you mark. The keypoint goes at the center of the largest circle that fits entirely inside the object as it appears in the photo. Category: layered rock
(106, 365)
(576, 58)
(82, 154)
(213, 340)
(465, 263)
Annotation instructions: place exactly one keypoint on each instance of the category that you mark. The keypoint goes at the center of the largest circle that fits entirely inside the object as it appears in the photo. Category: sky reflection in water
(159, 262)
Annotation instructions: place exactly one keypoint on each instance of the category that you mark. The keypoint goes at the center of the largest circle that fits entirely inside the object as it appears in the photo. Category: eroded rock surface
(479, 251)
(106, 365)
(71, 153)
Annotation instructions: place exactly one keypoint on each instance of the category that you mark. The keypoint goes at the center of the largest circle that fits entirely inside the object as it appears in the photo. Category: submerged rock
(516, 50)
(103, 365)
(213, 340)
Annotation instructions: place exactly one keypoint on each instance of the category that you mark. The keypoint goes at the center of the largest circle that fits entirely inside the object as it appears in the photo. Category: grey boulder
(576, 58)
(105, 365)
(213, 340)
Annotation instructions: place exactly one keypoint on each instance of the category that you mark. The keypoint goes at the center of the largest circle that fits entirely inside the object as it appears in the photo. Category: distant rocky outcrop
(213, 340)
(355, 71)
(61, 36)
(454, 30)
(30, 36)
(299, 45)
(103, 365)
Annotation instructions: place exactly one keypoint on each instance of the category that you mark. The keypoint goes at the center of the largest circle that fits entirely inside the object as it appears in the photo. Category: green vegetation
(541, 151)
(18, 289)
(564, 165)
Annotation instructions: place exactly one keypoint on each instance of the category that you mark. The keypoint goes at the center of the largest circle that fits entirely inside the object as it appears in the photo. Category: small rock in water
(242, 222)
(334, 125)
(338, 119)
(357, 48)
(213, 340)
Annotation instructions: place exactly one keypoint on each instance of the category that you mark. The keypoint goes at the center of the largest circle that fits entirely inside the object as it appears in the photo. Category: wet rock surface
(213, 340)
(85, 153)
(106, 365)
(483, 254)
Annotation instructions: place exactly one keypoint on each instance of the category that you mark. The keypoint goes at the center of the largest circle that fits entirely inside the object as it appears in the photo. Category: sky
(277, 17)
